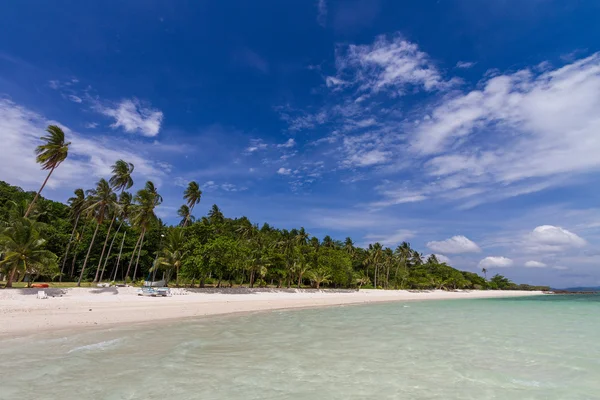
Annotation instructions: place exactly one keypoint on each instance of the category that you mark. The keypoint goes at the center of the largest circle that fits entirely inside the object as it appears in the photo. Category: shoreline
(22, 313)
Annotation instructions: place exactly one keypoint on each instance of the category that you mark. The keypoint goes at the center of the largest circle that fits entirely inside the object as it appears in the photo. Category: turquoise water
(528, 348)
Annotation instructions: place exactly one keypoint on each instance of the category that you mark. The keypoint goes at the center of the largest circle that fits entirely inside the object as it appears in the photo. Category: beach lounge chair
(41, 294)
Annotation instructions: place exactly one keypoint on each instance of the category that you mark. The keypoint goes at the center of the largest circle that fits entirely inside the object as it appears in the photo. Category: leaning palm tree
(120, 180)
(147, 200)
(192, 196)
(173, 252)
(124, 208)
(50, 154)
(77, 204)
(184, 214)
(23, 248)
(101, 199)
(484, 272)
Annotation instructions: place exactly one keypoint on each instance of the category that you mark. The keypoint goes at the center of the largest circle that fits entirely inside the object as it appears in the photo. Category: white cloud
(548, 238)
(368, 158)
(54, 84)
(332, 82)
(454, 245)
(543, 124)
(289, 144)
(496, 262)
(89, 158)
(535, 264)
(392, 239)
(133, 117)
(91, 125)
(388, 64)
(394, 196)
(74, 98)
(465, 64)
(519, 133)
(322, 12)
(284, 171)
(256, 145)
(560, 268)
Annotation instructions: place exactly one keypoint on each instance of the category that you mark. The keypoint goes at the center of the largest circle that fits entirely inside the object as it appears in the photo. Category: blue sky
(470, 129)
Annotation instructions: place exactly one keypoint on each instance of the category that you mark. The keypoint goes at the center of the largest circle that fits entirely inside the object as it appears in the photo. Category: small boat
(40, 285)
(154, 292)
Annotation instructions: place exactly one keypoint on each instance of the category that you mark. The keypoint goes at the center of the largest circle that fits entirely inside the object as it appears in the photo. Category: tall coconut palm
(100, 201)
(120, 180)
(484, 272)
(121, 176)
(50, 154)
(147, 200)
(173, 253)
(23, 248)
(192, 196)
(124, 208)
(215, 215)
(77, 204)
(184, 214)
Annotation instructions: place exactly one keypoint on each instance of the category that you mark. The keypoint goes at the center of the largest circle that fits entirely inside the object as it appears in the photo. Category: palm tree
(121, 177)
(120, 180)
(23, 249)
(50, 154)
(192, 195)
(147, 200)
(184, 214)
(101, 199)
(215, 216)
(123, 207)
(484, 272)
(173, 252)
(77, 204)
(349, 246)
(319, 276)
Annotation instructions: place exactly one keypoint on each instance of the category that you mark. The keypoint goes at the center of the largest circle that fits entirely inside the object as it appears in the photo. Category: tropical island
(107, 234)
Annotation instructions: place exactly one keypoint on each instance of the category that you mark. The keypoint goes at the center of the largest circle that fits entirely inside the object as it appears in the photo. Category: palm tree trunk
(62, 269)
(375, 277)
(73, 265)
(38, 193)
(139, 254)
(119, 258)
(387, 277)
(133, 256)
(104, 247)
(109, 250)
(11, 277)
(88, 253)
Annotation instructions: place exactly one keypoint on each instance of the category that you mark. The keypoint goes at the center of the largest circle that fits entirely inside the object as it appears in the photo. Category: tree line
(107, 233)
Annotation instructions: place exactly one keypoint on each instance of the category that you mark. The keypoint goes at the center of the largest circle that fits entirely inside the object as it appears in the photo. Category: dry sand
(21, 312)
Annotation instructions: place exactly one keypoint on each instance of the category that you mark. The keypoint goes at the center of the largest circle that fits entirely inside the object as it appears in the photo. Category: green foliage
(214, 250)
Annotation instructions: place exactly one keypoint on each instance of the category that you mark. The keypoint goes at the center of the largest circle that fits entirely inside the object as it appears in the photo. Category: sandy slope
(21, 312)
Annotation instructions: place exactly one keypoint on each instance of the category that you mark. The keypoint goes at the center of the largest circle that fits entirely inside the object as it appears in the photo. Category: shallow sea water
(545, 347)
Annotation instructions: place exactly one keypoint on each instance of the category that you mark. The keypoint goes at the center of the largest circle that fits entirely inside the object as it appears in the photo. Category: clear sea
(545, 347)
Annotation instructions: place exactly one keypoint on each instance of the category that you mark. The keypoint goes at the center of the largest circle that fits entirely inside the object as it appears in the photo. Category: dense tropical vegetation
(119, 234)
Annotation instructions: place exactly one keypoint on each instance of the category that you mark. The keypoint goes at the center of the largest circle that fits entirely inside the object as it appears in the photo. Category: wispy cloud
(389, 64)
(465, 64)
(134, 117)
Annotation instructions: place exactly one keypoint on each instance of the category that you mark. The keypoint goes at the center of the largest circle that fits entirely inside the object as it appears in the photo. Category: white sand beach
(21, 312)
